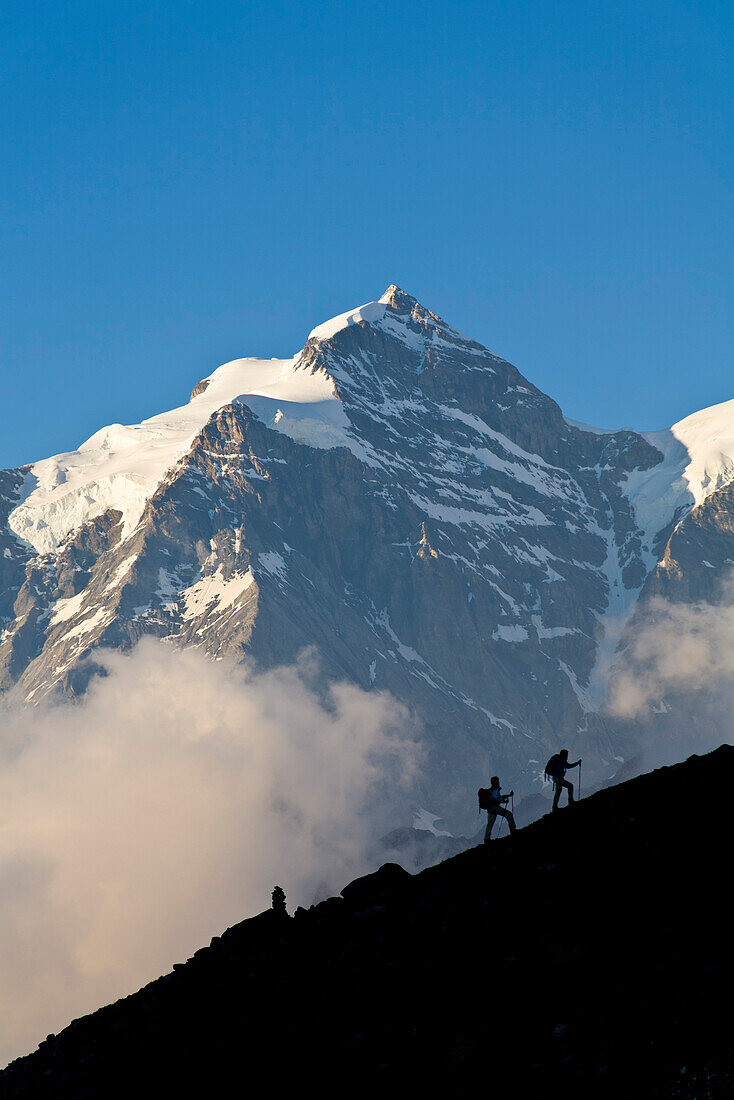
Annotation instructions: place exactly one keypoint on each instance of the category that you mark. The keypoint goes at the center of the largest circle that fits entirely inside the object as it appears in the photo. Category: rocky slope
(590, 958)
(395, 495)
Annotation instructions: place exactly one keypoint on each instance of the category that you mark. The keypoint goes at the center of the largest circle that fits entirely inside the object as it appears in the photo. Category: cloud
(678, 649)
(164, 807)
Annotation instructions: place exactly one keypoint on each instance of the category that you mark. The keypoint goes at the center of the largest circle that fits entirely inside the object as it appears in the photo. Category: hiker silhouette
(493, 801)
(555, 770)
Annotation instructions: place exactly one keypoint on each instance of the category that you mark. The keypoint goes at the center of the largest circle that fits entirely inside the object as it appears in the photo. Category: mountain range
(400, 500)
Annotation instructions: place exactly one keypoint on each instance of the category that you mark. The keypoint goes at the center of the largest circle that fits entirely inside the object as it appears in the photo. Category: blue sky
(185, 183)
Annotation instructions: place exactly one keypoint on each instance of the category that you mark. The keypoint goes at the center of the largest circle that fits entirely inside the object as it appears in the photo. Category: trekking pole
(579, 782)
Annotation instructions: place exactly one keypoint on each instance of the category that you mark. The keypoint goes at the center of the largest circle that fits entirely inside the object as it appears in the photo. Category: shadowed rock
(592, 957)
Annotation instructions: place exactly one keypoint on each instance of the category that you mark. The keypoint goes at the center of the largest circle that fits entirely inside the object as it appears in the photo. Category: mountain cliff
(591, 957)
(396, 496)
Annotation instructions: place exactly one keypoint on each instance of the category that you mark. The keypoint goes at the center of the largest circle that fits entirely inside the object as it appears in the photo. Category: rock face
(396, 496)
(591, 957)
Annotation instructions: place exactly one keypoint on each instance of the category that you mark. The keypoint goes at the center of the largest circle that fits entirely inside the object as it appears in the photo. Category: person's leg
(508, 818)
(557, 788)
(569, 788)
(488, 830)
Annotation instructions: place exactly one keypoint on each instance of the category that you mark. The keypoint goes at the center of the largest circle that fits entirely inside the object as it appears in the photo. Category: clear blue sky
(186, 182)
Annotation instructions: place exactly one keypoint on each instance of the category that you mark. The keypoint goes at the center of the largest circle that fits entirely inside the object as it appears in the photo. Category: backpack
(554, 767)
(484, 794)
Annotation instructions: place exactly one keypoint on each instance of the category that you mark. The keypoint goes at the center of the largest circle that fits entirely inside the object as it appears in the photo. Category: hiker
(555, 770)
(492, 800)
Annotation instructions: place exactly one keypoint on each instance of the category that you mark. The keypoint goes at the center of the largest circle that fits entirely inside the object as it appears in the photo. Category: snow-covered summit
(393, 301)
(400, 315)
(369, 312)
(698, 459)
(708, 438)
(121, 466)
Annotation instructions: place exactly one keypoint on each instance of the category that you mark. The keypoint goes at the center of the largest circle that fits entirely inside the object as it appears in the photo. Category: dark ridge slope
(591, 958)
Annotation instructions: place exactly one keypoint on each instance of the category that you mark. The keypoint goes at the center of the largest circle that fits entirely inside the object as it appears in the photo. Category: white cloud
(677, 648)
(138, 823)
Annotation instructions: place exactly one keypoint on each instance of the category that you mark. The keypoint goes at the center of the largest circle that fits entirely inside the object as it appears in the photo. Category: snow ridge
(121, 466)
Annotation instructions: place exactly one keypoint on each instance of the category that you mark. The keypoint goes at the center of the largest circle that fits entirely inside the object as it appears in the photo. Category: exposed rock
(200, 387)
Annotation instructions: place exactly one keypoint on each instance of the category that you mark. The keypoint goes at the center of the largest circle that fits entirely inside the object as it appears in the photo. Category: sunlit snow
(213, 588)
(121, 466)
(370, 312)
(698, 459)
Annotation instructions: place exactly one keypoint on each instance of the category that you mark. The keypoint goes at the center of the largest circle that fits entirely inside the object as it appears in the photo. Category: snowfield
(698, 459)
(121, 466)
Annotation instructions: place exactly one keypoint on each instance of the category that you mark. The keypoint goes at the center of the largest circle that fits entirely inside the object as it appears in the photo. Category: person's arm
(574, 765)
(507, 797)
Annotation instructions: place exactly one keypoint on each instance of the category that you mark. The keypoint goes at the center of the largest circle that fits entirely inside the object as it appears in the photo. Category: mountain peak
(398, 299)
(394, 300)
(396, 311)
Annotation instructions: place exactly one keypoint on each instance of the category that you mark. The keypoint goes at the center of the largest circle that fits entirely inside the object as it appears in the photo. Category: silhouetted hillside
(592, 957)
